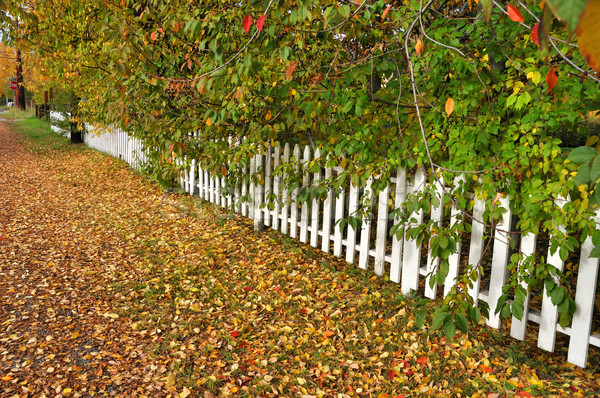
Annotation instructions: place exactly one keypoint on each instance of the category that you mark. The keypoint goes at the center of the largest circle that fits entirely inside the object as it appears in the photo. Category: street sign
(13, 85)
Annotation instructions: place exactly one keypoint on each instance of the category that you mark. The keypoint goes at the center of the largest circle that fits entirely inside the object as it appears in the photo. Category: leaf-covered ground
(108, 286)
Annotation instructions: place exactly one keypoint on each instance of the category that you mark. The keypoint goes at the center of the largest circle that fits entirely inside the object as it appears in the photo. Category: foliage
(455, 87)
(115, 288)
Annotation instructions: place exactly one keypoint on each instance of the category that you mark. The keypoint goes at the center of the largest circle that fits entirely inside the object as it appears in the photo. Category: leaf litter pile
(110, 287)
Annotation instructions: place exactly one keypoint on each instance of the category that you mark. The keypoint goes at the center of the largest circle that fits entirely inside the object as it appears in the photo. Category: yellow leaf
(449, 106)
(535, 77)
(74, 335)
(588, 34)
(419, 46)
(185, 393)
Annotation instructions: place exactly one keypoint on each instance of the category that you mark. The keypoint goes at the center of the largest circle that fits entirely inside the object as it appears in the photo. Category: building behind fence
(404, 261)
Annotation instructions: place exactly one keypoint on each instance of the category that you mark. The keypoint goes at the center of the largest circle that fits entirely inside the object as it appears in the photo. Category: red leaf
(399, 396)
(534, 34)
(303, 311)
(290, 70)
(358, 2)
(153, 36)
(514, 14)
(247, 23)
(422, 361)
(247, 288)
(261, 22)
(524, 394)
(235, 333)
(385, 12)
(485, 369)
(551, 78)
(391, 374)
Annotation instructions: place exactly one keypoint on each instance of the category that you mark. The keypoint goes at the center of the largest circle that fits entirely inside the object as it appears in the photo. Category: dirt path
(59, 332)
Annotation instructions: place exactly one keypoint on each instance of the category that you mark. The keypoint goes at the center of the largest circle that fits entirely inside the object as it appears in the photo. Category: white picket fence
(112, 141)
(400, 259)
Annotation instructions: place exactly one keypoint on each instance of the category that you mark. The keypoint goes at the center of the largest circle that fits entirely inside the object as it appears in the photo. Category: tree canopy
(460, 87)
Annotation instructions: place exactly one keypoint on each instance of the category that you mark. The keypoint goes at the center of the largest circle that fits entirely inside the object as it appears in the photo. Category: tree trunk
(76, 132)
(20, 92)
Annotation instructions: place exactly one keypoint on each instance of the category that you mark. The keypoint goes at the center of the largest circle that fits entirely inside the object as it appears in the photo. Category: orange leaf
(176, 27)
(534, 34)
(153, 36)
(485, 369)
(524, 394)
(449, 106)
(247, 23)
(588, 34)
(290, 70)
(235, 333)
(328, 333)
(422, 361)
(385, 12)
(419, 46)
(383, 395)
(261, 22)
(551, 78)
(514, 14)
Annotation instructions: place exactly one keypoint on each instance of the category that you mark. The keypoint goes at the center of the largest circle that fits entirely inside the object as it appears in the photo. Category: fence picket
(585, 294)
(258, 193)
(351, 235)
(518, 327)
(397, 244)
(316, 204)
(305, 185)
(294, 201)
(200, 181)
(437, 214)
(327, 221)
(499, 263)
(454, 258)
(476, 246)
(549, 315)
(286, 199)
(276, 193)
(268, 179)
(411, 261)
(382, 230)
(338, 233)
(365, 230)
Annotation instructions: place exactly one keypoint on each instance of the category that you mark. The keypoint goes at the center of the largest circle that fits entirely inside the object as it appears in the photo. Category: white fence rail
(402, 260)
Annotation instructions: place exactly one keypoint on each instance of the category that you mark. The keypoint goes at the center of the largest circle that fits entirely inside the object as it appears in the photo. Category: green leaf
(517, 310)
(439, 319)
(583, 175)
(420, 318)
(449, 329)
(595, 253)
(557, 295)
(348, 106)
(461, 323)
(595, 169)
(582, 154)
